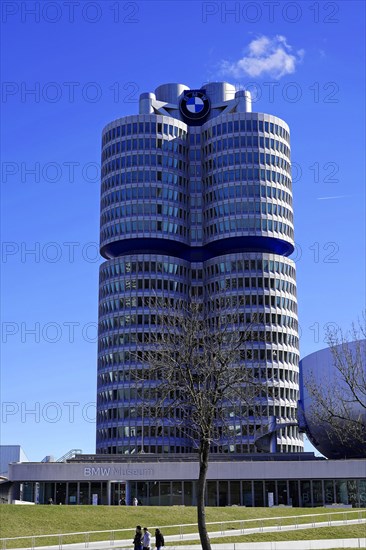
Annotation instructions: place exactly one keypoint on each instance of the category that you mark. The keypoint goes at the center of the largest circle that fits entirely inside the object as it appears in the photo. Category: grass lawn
(16, 521)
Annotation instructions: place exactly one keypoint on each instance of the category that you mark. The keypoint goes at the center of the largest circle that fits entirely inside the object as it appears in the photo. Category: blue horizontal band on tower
(197, 253)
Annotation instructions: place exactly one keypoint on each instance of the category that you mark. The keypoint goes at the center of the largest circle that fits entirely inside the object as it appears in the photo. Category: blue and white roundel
(195, 105)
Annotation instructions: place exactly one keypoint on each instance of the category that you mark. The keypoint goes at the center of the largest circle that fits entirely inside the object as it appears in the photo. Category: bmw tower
(196, 197)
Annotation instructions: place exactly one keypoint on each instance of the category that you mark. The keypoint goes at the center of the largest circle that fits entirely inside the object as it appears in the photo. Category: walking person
(159, 539)
(146, 539)
(137, 541)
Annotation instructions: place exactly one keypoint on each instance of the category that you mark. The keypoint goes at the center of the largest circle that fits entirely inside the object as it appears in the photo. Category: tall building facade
(196, 199)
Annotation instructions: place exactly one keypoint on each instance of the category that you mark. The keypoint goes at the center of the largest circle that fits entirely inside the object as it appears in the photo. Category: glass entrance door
(118, 493)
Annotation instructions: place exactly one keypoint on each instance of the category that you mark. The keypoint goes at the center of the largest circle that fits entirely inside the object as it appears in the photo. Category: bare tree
(197, 361)
(338, 395)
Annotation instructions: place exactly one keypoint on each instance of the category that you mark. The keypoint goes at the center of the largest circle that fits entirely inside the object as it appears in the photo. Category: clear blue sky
(88, 62)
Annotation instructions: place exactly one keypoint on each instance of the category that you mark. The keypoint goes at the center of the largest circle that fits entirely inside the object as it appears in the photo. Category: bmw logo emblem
(195, 105)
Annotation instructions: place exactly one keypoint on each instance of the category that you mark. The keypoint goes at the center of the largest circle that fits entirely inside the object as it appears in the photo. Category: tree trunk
(201, 486)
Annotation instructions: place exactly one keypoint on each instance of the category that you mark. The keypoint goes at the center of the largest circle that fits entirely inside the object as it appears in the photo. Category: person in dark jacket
(159, 539)
(137, 541)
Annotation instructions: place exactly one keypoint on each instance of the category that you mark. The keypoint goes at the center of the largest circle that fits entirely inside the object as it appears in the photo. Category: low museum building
(298, 480)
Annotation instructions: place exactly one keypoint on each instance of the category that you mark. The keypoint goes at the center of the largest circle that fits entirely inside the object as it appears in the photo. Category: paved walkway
(288, 545)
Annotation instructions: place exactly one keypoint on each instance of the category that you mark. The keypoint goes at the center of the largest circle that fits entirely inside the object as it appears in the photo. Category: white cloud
(259, 46)
(264, 55)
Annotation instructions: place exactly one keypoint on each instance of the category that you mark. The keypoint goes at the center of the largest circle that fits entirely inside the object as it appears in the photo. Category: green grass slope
(16, 521)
